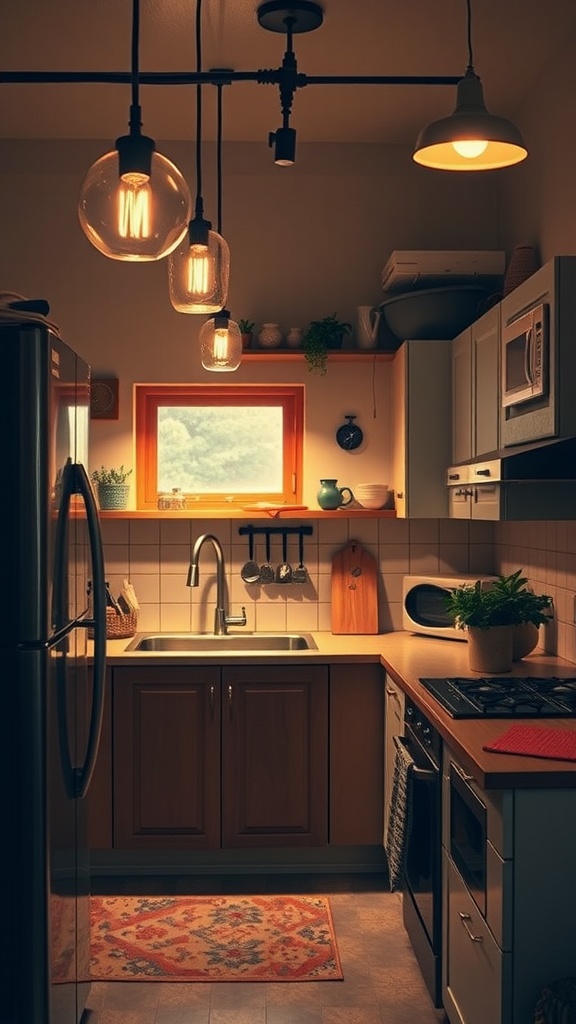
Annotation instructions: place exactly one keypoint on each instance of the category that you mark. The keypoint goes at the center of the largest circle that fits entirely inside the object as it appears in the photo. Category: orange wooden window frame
(149, 397)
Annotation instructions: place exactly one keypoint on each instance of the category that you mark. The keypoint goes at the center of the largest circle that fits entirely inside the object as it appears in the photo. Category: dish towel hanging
(399, 816)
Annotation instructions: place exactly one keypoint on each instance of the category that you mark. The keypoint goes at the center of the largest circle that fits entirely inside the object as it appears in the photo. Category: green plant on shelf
(320, 336)
(508, 601)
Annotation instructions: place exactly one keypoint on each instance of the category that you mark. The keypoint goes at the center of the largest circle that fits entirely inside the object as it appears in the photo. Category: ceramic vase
(490, 650)
(330, 496)
(270, 336)
(294, 337)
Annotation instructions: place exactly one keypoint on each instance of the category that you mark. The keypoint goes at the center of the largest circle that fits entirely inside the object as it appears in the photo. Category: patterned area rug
(213, 938)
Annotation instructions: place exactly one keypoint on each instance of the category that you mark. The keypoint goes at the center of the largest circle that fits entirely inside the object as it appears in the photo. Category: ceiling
(512, 42)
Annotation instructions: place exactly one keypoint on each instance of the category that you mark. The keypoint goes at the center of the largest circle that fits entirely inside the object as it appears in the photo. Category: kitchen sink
(231, 643)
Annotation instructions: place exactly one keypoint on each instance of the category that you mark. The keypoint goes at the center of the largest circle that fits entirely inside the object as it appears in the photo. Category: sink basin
(232, 643)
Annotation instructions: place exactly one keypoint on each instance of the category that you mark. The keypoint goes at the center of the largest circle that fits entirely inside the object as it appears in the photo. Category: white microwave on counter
(423, 603)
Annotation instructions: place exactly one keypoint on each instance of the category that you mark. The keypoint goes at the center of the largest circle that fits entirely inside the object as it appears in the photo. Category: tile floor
(382, 982)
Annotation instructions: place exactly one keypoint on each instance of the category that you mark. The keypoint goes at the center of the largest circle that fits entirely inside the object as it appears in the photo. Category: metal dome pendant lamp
(471, 139)
(134, 203)
(199, 269)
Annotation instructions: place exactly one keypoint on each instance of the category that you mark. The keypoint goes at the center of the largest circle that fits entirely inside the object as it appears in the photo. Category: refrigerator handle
(83, 774)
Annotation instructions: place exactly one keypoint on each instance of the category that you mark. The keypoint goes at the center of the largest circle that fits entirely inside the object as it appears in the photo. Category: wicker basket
(118, 627)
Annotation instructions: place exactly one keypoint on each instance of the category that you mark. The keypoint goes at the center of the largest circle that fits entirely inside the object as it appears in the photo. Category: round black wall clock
(104, 399)
(349, 436)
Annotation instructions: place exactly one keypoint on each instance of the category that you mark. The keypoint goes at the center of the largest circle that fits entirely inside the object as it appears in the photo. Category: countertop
(408, 657)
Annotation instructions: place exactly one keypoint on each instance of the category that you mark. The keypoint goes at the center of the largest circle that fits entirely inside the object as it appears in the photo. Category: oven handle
(423, 774)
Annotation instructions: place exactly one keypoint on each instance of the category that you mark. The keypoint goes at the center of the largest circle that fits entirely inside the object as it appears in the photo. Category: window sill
(289, 355)
(234, 513)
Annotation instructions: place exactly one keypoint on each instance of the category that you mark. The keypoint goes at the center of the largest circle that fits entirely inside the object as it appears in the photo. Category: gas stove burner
(505, 697)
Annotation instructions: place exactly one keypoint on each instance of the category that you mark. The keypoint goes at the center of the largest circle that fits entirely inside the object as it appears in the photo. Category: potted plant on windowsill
(320, 336)
(501, 621)
(111, 486)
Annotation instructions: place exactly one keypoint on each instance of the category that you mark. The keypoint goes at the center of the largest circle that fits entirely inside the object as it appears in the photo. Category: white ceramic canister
(270, 336)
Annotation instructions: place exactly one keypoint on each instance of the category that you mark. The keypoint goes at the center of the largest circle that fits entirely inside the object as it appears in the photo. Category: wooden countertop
(407, 658)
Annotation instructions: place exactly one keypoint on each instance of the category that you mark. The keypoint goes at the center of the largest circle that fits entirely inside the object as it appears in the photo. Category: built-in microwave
(424, 603)
(525, 347)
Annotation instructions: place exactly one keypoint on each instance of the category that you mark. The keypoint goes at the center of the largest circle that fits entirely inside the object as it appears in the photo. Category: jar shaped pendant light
(198, 271)
(134, 203)
(221, 343)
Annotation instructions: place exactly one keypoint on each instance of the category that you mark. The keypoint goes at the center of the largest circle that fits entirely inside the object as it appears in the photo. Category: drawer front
(476, 986)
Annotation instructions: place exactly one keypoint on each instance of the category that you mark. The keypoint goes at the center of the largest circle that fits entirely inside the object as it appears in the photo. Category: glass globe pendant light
(199, 269)
(134, 203)
(221, 343)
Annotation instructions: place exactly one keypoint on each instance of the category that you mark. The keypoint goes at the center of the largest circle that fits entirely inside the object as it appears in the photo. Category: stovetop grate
(505, 696)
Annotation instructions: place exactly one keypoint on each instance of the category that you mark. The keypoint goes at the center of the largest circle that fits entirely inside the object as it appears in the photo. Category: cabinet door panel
(274, 767)
(356, 754)
(166, 758)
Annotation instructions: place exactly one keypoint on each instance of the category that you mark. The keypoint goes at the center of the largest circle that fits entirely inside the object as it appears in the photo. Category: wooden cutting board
(354, 590)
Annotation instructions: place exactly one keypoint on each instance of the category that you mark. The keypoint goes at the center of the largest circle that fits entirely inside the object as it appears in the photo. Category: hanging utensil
(300, 574)
(250, 571)
(266, 570)
(284, 570)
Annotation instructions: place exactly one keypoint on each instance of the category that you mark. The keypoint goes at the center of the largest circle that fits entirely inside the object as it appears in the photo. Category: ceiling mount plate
(305, 15)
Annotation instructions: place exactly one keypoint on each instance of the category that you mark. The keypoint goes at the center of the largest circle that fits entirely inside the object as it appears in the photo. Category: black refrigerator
(51, 698)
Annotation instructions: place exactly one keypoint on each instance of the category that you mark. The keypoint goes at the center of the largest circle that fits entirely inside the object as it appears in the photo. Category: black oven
(421, 903)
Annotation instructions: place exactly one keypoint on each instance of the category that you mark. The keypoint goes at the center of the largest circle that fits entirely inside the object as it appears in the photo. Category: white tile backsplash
(155, 555)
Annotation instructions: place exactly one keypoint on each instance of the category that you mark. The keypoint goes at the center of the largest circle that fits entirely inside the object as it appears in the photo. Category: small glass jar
(173, 501)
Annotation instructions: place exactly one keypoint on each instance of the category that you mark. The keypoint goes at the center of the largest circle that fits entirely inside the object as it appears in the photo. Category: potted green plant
(501, 621)
(246, 330)
(320, 336)
(112, 487)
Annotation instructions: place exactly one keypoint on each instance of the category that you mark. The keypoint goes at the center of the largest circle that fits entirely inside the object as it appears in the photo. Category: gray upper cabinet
(475, 389)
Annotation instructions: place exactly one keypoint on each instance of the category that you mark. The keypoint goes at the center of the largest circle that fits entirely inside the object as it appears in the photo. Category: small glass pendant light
(199, 270)
(134, 203)
(221, 343)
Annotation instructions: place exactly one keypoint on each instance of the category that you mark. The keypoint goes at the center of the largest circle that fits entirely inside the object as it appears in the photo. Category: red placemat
(536, 741)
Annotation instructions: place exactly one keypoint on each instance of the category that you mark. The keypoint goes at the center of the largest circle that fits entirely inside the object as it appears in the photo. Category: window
(219, 444)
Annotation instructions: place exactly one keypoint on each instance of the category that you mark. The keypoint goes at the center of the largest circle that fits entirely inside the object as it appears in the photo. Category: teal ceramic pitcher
(330, 496)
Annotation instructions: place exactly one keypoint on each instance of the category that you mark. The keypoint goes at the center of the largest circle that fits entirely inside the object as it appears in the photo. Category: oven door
(421, 909)
(525, 357)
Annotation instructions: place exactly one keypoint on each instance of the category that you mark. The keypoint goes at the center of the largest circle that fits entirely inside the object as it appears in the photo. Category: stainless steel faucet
(221, 619)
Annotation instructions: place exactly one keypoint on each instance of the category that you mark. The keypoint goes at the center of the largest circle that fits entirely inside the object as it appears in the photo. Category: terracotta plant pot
(490, 650)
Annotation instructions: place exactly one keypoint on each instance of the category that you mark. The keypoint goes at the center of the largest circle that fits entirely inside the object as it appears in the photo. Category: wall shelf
(284, 355)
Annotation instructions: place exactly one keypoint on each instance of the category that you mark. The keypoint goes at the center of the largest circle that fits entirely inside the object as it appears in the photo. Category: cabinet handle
(453, 476)
(230, 699)
(464, 919)
(212, 701)
(482, 472)
(392, 693)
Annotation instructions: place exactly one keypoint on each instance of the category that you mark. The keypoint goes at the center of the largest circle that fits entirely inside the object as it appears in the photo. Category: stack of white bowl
(371, 495)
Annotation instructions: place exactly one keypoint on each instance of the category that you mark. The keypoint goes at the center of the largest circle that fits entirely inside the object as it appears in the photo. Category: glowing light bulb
(221, 343)
(470, 148)
(201, 270)
(134, 206)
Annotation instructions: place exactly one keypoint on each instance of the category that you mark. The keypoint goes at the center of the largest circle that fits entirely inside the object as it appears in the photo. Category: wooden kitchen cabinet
(421, 428)
(356, 754)
(166, 757)
(210, 757)
(274, 756)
